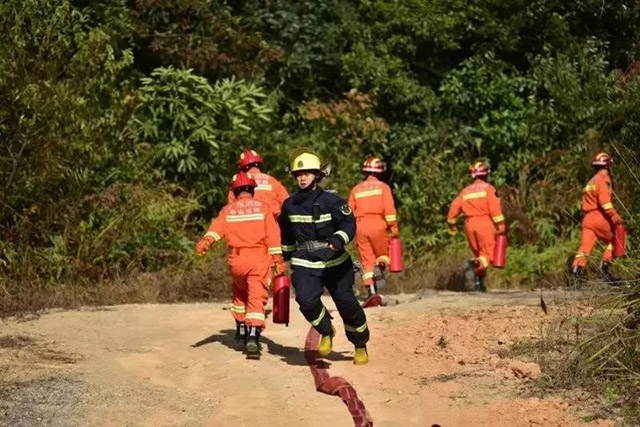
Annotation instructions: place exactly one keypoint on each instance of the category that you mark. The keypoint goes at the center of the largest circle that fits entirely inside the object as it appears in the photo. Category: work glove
(280, 268)
(204, 244)
(453, 229)
(616, 219)
(335, 243)
(278, 264)
(502, 228)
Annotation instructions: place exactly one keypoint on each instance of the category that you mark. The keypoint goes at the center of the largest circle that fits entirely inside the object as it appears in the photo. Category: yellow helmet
(305, 162)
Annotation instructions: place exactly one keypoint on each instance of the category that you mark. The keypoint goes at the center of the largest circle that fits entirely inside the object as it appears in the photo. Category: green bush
(194, 127)
(150, 103)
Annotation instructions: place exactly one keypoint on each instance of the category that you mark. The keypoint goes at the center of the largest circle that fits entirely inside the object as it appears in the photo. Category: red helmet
(479, 168)
(373, 164)
(247, 158)
(242, 179)
(601, 159)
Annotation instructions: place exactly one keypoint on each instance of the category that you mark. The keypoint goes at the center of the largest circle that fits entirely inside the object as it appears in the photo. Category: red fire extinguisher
(500, 251)
(395, 253)
(281, 286)
(619, 240)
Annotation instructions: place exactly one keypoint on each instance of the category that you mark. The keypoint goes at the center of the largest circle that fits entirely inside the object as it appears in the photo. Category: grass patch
(589, 348)
(206, 280)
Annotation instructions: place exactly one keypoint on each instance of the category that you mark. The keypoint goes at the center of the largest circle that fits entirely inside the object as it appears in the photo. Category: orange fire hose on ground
(334, 386)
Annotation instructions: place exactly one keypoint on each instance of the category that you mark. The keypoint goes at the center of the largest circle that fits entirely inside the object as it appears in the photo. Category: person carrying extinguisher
(253, 239)
(315, 226)
(600, 218)
(268, 190)
(483, 219)
(372, 204)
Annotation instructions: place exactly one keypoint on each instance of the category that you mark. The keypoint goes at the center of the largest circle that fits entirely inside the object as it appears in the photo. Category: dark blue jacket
(316, 215)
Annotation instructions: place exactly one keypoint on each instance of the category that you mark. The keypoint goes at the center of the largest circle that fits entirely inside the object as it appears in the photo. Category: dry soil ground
(440, 360)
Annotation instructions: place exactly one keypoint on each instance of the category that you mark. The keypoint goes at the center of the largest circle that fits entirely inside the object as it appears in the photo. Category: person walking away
(372, 203)
(315, 227)
(599, 219)
(269, 190)
(483, 219)
(250, 230)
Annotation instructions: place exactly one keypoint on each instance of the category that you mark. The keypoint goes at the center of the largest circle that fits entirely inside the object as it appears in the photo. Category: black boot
(479, 284)
(241, 332)
(606, 275)
(469, 275)
(372, 290)
(253, 337)
(378, 277)
(575, 281)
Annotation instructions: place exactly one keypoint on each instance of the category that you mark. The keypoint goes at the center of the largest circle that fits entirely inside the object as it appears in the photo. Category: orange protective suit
(599, 218)
(481, 208)
(269, 191)
(253, 237)
(375, 213)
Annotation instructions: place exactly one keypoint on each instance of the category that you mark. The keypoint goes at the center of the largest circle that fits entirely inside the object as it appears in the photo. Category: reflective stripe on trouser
(372, 242)
(481, 235)
(595, 226)
(251, 274)
(309, 286)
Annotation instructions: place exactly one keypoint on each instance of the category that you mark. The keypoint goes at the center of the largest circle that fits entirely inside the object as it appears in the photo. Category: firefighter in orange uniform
(269, 190)
(253, 239)
(600, 217)
(375, 213)
(483, 219)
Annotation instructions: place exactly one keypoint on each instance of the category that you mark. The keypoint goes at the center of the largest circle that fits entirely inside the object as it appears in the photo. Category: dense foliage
(121, 121)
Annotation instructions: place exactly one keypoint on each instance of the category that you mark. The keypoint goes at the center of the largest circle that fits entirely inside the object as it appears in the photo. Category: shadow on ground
(291, 355)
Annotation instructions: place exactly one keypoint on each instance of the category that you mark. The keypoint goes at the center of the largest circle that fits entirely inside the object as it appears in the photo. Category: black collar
(302, 196)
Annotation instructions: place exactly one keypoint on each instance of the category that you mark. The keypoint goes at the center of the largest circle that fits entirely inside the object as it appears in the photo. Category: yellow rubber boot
(326, 343)
(361, 357)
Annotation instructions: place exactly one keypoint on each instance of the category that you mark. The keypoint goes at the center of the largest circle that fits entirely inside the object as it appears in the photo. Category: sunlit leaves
(193, 125)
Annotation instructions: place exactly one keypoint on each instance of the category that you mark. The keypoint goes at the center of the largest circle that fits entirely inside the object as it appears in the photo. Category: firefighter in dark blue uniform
(316, 226)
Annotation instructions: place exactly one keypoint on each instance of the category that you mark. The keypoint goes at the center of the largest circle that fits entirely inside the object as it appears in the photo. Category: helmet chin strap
(323, 173)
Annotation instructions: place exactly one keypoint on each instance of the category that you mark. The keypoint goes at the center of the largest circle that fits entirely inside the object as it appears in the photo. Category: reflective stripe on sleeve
(384, 259)
(390, 218)
(590, 187)
(245, 218)
(264, 187)
(452, 220)
(319, 264)
(367, 275)
(498, 218)
(289, 248)
(369, 193)
(580, 255)
(607, 206)
(308, 219)
(344, 236)
(476, 195)
(238, 308)
(213, 234)
(360, 328)
(276, 250)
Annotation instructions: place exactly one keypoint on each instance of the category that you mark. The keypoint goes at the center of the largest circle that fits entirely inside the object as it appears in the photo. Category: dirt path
(437, 360)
